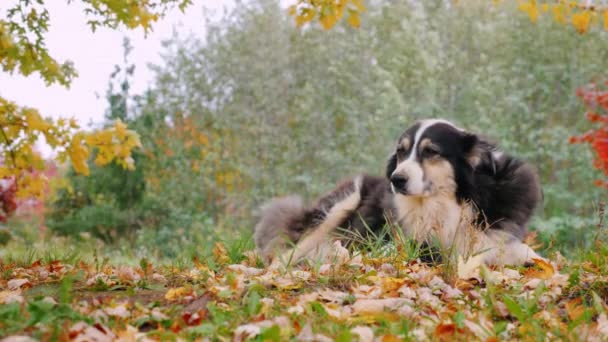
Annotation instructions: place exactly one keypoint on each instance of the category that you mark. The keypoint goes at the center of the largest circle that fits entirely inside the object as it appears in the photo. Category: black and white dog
(443, 186)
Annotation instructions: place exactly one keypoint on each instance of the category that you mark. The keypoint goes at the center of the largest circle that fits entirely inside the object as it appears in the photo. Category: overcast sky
(94, 56)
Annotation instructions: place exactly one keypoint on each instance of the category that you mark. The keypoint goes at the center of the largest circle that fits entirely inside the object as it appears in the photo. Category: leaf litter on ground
(345, 298)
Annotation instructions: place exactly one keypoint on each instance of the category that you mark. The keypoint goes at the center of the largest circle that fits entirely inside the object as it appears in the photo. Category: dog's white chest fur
(442, 219)
(437, 218)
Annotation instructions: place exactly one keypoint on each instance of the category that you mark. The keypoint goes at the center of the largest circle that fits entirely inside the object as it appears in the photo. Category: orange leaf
(575, 309)
(390, 338)
(444, 331)
(542, 270)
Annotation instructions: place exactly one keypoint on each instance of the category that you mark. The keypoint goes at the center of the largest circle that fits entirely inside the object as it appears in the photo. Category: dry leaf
(469, 268)
(575, 308)
(390, 338)
(545, 270)
(15, 284)
(7, 297)
(445, 331)
(220, 254)
(366, 334)
(177, 293)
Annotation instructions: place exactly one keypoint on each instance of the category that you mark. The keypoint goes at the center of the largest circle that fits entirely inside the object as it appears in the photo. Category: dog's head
(432, 157)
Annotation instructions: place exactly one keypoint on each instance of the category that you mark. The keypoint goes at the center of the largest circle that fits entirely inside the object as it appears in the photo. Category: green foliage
(294, 110)
(259, 107)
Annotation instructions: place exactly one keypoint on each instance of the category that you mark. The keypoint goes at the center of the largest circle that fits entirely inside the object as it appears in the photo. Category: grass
(78, 287)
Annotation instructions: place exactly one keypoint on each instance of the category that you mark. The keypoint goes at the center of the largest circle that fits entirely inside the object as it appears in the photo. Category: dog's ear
(391, 165)
(478, 152)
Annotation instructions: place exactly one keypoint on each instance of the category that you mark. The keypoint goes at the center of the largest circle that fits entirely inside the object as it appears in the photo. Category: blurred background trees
(259, 107)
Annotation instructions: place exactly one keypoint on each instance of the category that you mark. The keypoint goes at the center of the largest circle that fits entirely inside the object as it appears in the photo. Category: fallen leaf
(541, 270)
(177, 293)
(15, 284)
(366, 334)
(120, 310)
(375, 306)
(390, 338)
(7, 297)
(220, 254)
(469, 268)
(575, 308)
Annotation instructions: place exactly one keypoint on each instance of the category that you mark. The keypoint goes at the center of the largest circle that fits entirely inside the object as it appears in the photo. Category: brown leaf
(55, 266)
(464, 285)
(444, 331)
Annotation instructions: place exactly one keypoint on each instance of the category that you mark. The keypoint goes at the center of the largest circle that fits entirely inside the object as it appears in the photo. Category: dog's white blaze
(424, 125)
(317, 238)
(411, 167)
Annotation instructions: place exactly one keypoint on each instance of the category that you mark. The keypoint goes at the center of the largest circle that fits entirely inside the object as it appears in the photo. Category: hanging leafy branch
(23, 51)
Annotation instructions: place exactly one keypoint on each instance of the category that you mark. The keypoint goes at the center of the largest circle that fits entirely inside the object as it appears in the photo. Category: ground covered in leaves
(360, 297)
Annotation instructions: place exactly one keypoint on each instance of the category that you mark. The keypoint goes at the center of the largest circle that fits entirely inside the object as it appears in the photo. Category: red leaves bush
(595, 98)
(8, 199)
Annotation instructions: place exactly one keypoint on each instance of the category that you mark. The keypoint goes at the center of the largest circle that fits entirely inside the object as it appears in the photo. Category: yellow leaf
(354, 20)
(35, 122)
(545, 270)
(177, 293)
(581, 21)
(121, 129)
(531, 8)
(606, 20)
(307, 15)
(220, 253)
(328, 21)
(558, 11)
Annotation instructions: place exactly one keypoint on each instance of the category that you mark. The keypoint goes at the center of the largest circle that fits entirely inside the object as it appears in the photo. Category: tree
(23, 51)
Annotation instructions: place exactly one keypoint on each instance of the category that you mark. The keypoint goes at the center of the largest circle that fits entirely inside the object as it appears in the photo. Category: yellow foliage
(581, 21)
(559, 13)
(581, 15)
(329, 12)
(21, 127)
(531, 8)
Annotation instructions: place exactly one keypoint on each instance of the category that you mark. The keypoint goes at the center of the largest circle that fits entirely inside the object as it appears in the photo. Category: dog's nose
(399, 181)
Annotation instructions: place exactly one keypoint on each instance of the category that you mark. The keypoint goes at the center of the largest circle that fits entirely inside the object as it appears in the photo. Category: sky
(94, 56)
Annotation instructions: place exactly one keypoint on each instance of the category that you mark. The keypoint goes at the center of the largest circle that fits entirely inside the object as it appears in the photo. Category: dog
(443, 186)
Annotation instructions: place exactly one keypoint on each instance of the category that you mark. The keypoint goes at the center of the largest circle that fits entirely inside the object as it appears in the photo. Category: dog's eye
(430, 152)
(400, 152)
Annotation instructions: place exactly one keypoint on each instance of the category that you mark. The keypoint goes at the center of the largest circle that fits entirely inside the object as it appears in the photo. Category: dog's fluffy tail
(275, 229)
